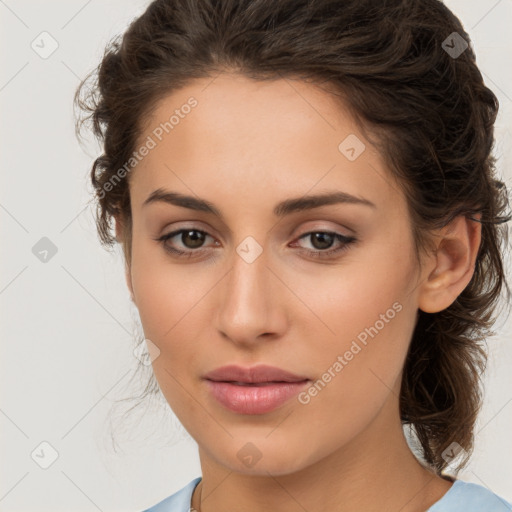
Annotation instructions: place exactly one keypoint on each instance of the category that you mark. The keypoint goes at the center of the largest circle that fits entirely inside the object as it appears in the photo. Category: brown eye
(192, 238)
(323, 240)
(191, 241)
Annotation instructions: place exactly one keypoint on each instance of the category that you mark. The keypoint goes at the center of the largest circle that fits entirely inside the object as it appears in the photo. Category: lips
(254, 375)
(255, 390)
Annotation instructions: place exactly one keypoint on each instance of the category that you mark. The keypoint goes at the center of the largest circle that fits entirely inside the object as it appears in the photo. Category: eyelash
(345, 240)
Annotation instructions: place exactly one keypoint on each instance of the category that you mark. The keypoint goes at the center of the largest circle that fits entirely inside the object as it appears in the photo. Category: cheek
(356, 375)
(369, 291)
(170, 312)
(371, 317)
(163, 292)
(175, 315)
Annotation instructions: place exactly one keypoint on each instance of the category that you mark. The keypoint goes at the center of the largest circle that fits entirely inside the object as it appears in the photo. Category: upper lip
(260, 373)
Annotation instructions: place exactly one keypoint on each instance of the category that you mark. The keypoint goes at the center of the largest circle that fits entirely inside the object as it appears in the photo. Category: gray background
(67, 324)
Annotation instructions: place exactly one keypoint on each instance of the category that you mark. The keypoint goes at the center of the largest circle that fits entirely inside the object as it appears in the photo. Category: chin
(261, 457)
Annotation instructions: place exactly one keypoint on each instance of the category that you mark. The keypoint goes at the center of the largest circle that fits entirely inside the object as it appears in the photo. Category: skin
(247, 146)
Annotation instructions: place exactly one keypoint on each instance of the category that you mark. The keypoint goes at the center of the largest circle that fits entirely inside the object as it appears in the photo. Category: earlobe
(454, 264)
(119, 229)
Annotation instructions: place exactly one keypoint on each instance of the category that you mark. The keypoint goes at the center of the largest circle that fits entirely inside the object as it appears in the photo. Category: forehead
(256, 137)
(248, 112)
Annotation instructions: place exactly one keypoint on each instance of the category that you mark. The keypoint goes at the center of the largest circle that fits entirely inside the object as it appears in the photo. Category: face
(326, 293)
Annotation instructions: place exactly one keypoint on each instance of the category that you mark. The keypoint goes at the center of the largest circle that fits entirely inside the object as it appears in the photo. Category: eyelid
(313, 227)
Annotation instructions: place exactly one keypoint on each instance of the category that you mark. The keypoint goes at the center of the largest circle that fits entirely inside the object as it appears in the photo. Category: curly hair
(426, 107)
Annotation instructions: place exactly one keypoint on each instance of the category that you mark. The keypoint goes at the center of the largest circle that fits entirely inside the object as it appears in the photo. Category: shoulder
(467, 497)
(177, 502)
(462, 496)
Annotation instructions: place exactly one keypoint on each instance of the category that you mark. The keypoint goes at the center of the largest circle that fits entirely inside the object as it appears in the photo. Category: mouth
(255, 390)
(260, 384)
(254, 397)
(253, 375)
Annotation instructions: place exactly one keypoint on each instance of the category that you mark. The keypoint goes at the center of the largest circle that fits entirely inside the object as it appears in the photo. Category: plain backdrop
(67, 324)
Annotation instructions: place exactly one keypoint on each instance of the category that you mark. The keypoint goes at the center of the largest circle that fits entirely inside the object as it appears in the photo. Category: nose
(250, 302)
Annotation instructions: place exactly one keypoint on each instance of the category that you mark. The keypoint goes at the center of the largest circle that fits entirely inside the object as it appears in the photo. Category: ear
(452, 264)
(120, 238)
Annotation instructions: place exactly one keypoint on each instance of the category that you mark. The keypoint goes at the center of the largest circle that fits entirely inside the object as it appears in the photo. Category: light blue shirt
(461, 497)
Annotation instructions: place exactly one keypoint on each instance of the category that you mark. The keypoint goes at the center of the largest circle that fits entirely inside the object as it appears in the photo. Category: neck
(375, 471)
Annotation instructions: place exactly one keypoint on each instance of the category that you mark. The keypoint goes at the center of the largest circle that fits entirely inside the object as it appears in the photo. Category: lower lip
(254, 399)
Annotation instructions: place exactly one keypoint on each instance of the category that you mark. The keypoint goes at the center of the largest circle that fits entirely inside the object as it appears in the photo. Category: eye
(324, 240)
(192, 241)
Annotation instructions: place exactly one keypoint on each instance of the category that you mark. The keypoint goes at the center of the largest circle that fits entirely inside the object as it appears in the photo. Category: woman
(307, 202)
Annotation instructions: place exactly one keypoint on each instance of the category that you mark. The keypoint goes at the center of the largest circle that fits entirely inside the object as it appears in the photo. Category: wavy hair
(401, 68)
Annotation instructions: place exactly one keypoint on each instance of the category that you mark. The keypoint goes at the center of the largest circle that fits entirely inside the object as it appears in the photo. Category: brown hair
(433, 121)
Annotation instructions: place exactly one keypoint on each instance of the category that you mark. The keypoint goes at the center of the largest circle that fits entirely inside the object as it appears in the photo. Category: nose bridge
(247, 307)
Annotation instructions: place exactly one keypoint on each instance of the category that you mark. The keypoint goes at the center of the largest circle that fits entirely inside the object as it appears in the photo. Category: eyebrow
(280, 210)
